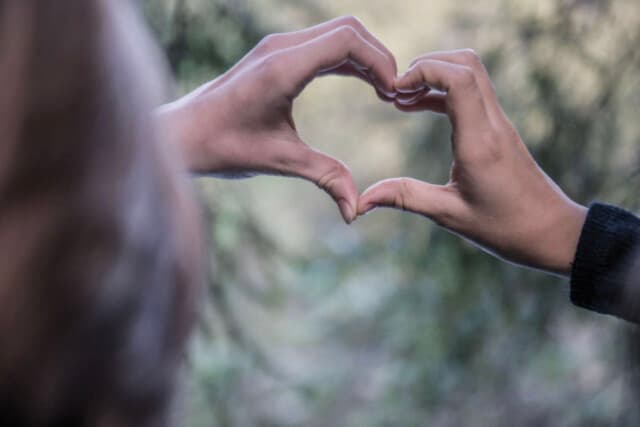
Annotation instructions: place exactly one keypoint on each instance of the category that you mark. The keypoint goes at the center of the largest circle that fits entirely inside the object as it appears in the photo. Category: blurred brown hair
(99, 245)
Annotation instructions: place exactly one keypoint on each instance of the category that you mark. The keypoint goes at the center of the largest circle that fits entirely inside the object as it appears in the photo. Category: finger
(332, 176)
(464, 101)
(468, 58)
(433, 101)
(287, 40)
(440, 203)
(349, 70)
(330, 51)
(413, 96)
(276, 42)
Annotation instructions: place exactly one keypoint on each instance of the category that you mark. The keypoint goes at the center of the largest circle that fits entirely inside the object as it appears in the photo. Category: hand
(241, 124)
(497, 196)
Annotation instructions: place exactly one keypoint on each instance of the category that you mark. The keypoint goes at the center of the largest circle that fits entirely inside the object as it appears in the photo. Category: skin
(497, 196)
(241, 124)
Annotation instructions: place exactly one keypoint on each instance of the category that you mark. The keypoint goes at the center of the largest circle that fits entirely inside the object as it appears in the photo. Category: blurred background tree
(391, 321)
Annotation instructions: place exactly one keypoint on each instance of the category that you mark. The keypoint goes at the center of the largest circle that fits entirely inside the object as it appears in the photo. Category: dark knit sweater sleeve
(603, 277)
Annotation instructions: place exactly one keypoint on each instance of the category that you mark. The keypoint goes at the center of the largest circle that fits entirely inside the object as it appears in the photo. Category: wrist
(176, 124)
(560, 241)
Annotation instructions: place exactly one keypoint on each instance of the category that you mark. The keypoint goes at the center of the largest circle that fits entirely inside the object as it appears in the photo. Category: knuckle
(346, 34)
(418, 61)
(339, 169)
(269, 43)
(352, 21)
(332, 176)
(403, 195)
(466, 78)
(471, 57)
(269, 69)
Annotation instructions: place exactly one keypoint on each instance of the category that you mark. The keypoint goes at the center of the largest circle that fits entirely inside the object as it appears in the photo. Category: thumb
(437, 202)
(334, 177)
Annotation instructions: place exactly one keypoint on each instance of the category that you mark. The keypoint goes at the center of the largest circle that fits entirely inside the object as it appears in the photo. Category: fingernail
(389, 94)
(412, 89)
(387, 89)
(347, 211)
(408, 100)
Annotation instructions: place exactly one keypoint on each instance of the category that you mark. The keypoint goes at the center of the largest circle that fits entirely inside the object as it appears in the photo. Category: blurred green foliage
(397, 323)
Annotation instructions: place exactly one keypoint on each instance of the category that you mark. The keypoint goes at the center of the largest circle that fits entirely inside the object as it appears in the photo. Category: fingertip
(400, 107)
(365, 203)
(380, 194)
(409, 98)
(386, 87)
(410, 83)
(400, 82)
(348, 213)
(408, 87)
(390, 94)
(365, 209)
(386, 96)
(411, 108)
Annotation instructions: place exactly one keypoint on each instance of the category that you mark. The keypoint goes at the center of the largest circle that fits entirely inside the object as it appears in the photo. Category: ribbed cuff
(602, 268)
